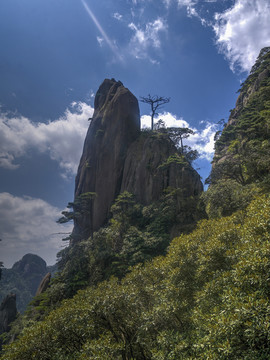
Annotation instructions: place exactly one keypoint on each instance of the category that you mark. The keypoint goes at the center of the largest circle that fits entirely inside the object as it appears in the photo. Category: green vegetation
(134, 234)
(242, 151)
(81, 208)
(207, 299)
(128, 292)
(245, 143)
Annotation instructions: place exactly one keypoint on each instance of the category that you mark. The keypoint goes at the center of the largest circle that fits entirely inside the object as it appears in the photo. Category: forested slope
(207, 299)
(241, 164)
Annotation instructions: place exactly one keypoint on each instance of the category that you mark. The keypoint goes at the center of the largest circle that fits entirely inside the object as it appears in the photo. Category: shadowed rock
(115, 125)
(117, 157)
(146, 174)
(44, 284)
(8, 313)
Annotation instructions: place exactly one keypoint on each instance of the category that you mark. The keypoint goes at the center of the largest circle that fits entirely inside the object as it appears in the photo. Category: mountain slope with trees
(133, 293)
(207, 299)
(241, 165)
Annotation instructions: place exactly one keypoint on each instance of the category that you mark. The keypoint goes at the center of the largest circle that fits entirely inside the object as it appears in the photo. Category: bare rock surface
(115, 125)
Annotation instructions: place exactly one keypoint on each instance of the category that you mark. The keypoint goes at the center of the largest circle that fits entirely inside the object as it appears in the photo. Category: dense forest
(184, 275)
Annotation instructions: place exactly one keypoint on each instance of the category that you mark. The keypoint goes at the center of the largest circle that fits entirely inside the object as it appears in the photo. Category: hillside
(125, 289)
(208, 298)
(134, 191)
(241, 165)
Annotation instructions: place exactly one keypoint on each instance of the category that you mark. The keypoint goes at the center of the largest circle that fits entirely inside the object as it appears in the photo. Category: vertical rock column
(115, 125)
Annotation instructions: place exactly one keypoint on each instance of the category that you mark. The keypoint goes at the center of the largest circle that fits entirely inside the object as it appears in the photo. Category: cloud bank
(62, 139)
(28, 225)
(242, 31)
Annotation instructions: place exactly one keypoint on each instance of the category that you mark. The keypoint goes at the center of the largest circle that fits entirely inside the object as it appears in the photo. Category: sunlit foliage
(208, 298)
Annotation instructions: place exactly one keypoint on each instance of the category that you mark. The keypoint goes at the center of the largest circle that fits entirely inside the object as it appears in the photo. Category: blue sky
(54, 56)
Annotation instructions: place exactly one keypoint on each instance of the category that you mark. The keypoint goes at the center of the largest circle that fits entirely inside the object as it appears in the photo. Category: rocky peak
(115, 125)
(118, 157)
(106, 92)
(30, 264)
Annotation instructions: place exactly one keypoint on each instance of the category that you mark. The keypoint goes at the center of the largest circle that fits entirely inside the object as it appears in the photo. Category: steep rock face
(150, 168)
(246, 95)
(8, 313)
(115, 125)
(44, 284)
(117, 157)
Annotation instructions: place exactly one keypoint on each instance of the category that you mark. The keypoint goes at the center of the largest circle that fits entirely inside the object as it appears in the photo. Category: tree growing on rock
(177, 134)
(156, 102)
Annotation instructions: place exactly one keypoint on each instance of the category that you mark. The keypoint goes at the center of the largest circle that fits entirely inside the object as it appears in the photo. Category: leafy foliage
(81, 208)
(228, 196)
(243, 149)
(135, 234)
(207, 299)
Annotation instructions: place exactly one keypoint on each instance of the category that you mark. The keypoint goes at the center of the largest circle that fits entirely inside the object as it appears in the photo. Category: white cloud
(186, 2)
(100, 40)
(28, 225)
(169, 119)
(147, 37)
(190, 5)
(117, 16)
(62, 139)
(242, 31)
(202, 140)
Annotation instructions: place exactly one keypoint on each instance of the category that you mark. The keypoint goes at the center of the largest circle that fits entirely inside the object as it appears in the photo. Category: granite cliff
(118, 157)
(115, 125)
(151, 166)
